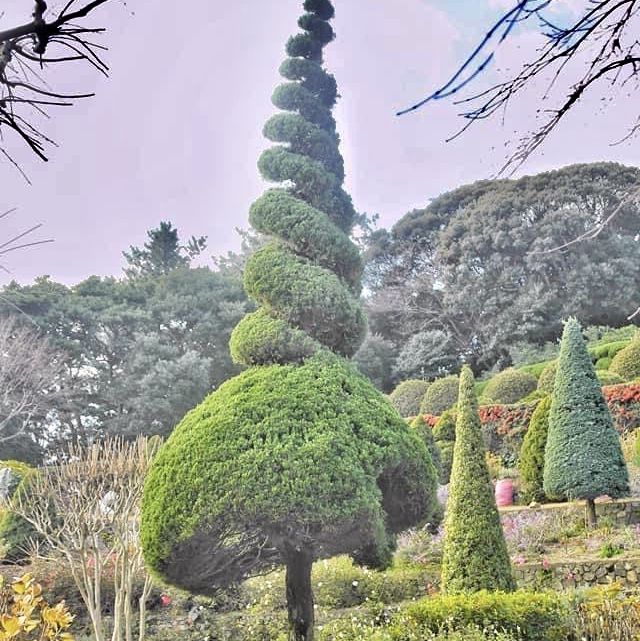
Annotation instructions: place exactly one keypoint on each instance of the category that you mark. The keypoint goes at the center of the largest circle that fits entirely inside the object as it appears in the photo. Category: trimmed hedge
(444, 433)
(421, 425)
(531, 463)
(509, 386)
(407, 397)
(626, 363)
(548, 377)
(441, 395)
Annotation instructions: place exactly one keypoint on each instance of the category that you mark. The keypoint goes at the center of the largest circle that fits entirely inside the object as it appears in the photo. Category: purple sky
(175, 133)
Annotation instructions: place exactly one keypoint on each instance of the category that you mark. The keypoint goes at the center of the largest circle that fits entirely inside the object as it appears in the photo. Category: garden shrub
(530, 616)
(441, 395)
(607, 613)
(421, 425)
(583, 457)
(623, 402)
(626, 363)
(407, 396)
(608, 378)
(607, 350)
(547, 377)
(531, 463)
(475, 553)
(536, 369)
(444, 433)
(509, 386)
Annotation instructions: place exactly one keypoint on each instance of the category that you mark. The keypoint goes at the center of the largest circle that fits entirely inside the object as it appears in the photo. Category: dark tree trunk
(299, 594)
(592, 518)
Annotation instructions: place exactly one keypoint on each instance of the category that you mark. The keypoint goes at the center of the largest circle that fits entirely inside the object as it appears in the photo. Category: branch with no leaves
(27, 49)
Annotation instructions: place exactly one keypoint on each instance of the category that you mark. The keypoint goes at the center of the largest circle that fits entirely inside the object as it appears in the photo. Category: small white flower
(354, 584)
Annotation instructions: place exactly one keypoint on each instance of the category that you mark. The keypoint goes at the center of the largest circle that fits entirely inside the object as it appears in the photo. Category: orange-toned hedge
(624, 405)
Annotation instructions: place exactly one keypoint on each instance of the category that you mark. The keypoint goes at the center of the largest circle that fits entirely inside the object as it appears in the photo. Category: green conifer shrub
(548, 377)
(626, 363)
(475, 553)
(426, 434)
(583, 457)
(509, 386)
(608, 378)
(299, 457)
(531, 463)
(407, 397)
(444, 434)
(441, 395)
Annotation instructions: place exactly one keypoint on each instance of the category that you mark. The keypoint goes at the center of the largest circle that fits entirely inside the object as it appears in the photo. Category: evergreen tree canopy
(583, 457)
(475, 553)
(474, 263)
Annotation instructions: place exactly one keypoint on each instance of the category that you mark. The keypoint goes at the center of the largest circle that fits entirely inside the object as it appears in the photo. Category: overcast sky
(175, 132)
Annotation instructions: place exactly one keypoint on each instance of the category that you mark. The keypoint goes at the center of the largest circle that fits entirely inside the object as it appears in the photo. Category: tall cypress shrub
(583, 457)
(299, 457)
(475, 553)
(531, 463)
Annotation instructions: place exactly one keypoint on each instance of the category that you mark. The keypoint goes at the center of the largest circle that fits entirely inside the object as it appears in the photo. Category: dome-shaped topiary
(626, 363)
(475, 554)
(444, 434)
(278, 459)
(510, 386)
(583, 457)
(407, 397)
(608, 378)
(548, 377)
(441, 395)
(531, 463)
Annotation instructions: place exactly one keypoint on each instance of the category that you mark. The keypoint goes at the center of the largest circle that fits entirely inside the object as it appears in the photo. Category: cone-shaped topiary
(426, 434)
(531, 463)
(583, 457)
(299, 457)
(475, 554)
(509, 386)
(407, 396)
(626, 363)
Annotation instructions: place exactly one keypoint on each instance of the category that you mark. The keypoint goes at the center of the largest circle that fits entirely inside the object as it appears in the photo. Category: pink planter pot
(504, 492)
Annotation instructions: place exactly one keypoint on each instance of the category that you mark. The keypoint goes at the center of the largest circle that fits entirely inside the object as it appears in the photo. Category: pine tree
(583, 457)
(475, 553)
(299, 457)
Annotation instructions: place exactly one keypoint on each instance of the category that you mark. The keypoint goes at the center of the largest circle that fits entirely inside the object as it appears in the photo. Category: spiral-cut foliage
(307, 279)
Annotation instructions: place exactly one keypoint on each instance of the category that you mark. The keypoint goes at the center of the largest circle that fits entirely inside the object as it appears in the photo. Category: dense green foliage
(608, 378)
(375, 359)
(274, 448)
(475, 554)
(583, 458)
(531, 462)
(444, 433)
(547, 377)
(626, 363)
(441, 395)
(474, 266)
(510, 386)
(425, 431)
(408, 395)
(426, 354)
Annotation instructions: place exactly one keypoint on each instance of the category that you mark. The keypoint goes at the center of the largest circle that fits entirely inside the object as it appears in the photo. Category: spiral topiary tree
(475, 553)
(583, 457)
(299, 457)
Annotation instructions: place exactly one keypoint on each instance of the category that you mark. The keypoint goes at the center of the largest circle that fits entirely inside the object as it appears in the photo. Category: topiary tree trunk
(475, 553)
(298, 564)
(583, 456)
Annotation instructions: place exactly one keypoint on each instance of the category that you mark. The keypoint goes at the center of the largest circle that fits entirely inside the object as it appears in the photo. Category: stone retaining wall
(571, 574)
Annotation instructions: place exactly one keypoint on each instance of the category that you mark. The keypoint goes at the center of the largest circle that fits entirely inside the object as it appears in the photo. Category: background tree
(29, 368)
(475, 264)
(583, 457)
(47, 39)
(475, 553)
(300, 458)
(598, 47)
(375, 359)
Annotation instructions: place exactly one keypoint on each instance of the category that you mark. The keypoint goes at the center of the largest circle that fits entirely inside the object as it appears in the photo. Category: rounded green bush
(548, 377)
(626, 363)
(273, 455)
(444, 434)
(608, 378)
(407, 396)
(531, 463)
(425, 431)
(510, 386)
(441, 395)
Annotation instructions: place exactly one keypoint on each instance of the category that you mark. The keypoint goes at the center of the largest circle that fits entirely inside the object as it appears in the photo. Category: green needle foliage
(531, 463)
(426, 434)
(475, 553)
(300, 457)
(583, 457)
